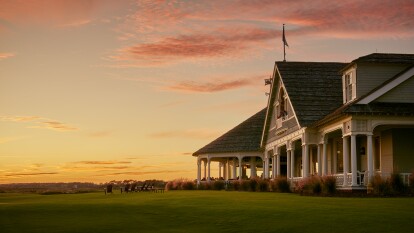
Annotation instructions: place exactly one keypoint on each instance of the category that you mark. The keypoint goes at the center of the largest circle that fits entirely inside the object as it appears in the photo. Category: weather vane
(284, 44)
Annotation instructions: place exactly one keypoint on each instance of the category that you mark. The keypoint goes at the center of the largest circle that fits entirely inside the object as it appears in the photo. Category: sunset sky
(104, 90)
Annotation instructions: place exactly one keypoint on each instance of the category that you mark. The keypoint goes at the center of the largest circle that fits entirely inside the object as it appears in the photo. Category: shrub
(309, 186)
(169, 186)
(397, 184)
(236, 185)
(218, 185)
(244, 185)
(187, 185)
(263, 185)
(329, 185)
(281, 185)
(254, 184)
(180, 184)
(316, 185)
(380, 186)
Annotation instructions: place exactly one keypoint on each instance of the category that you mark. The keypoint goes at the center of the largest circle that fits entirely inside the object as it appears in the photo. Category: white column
(252, 167)
(319, 160)
(208, 167)
(198, 171)
(277, 165)
(228, 169)
(240, 168)
(354, 169)
(370, 160)
(234, 169)
(225, 170)
(324, 159)
(292, 162)
(219, 170)
(288, 163)
(205, 169)
(305, 160)
(266, 167)
(345, 159)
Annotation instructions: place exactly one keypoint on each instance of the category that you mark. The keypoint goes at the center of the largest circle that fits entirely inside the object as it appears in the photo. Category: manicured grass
(203, 211)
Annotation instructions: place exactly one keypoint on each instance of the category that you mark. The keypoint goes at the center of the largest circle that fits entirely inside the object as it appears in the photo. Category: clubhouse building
(349, 120)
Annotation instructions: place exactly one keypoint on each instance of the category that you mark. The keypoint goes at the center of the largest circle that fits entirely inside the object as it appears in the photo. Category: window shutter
(343, 88)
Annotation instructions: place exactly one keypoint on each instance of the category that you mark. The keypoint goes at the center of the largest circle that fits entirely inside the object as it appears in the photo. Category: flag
(284, 38)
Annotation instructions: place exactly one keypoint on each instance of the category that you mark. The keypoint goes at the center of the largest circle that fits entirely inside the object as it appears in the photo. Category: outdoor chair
(142, 188)
(133, 187)
(127, 188)
(108, 189)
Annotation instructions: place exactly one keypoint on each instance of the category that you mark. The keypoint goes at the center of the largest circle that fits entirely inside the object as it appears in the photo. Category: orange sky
(103, 90)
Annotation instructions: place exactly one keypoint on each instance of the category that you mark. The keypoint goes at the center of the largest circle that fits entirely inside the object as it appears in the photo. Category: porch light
(362, 151)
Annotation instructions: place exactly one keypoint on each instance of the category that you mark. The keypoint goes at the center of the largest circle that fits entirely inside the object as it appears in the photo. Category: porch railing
(362, 178)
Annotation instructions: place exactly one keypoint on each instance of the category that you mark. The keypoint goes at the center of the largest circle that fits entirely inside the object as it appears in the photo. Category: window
(282, 105)
(348, 87)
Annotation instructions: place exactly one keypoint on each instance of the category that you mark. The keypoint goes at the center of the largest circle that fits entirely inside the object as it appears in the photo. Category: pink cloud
(56, 13)
(171, 31)
(6, 55)
(224, 42)
(213, 85)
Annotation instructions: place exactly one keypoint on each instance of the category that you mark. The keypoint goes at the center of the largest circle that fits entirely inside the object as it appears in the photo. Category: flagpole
(284, 44)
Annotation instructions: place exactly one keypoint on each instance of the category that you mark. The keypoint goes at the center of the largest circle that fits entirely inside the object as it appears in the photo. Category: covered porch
(229, 166)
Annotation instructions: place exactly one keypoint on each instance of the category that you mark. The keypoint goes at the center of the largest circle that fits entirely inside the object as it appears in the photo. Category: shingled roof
(384, 58)
(243, 138)
(314, 88)
(387, 58)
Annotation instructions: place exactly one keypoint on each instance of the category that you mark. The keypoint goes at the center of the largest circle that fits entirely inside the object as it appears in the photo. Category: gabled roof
(314, 88)
(243, 138)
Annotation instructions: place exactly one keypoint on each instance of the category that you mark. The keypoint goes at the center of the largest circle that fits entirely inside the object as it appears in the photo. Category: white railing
(406, 178)
(295, 179)
(362, 178)
(339, 179)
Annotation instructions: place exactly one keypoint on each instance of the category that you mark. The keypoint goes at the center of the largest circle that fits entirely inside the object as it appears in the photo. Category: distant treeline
(71, 187)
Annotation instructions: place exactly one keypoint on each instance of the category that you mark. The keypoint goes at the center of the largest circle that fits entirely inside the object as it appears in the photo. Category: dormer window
(349, 87)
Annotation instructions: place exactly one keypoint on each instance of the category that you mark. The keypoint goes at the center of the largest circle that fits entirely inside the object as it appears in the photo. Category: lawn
(203, 211)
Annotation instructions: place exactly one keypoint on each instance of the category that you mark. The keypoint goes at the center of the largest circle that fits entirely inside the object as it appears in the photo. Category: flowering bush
(310, 185)
(180, 184)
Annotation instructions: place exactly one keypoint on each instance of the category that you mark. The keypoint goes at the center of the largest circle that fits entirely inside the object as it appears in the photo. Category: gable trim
(387, 87)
